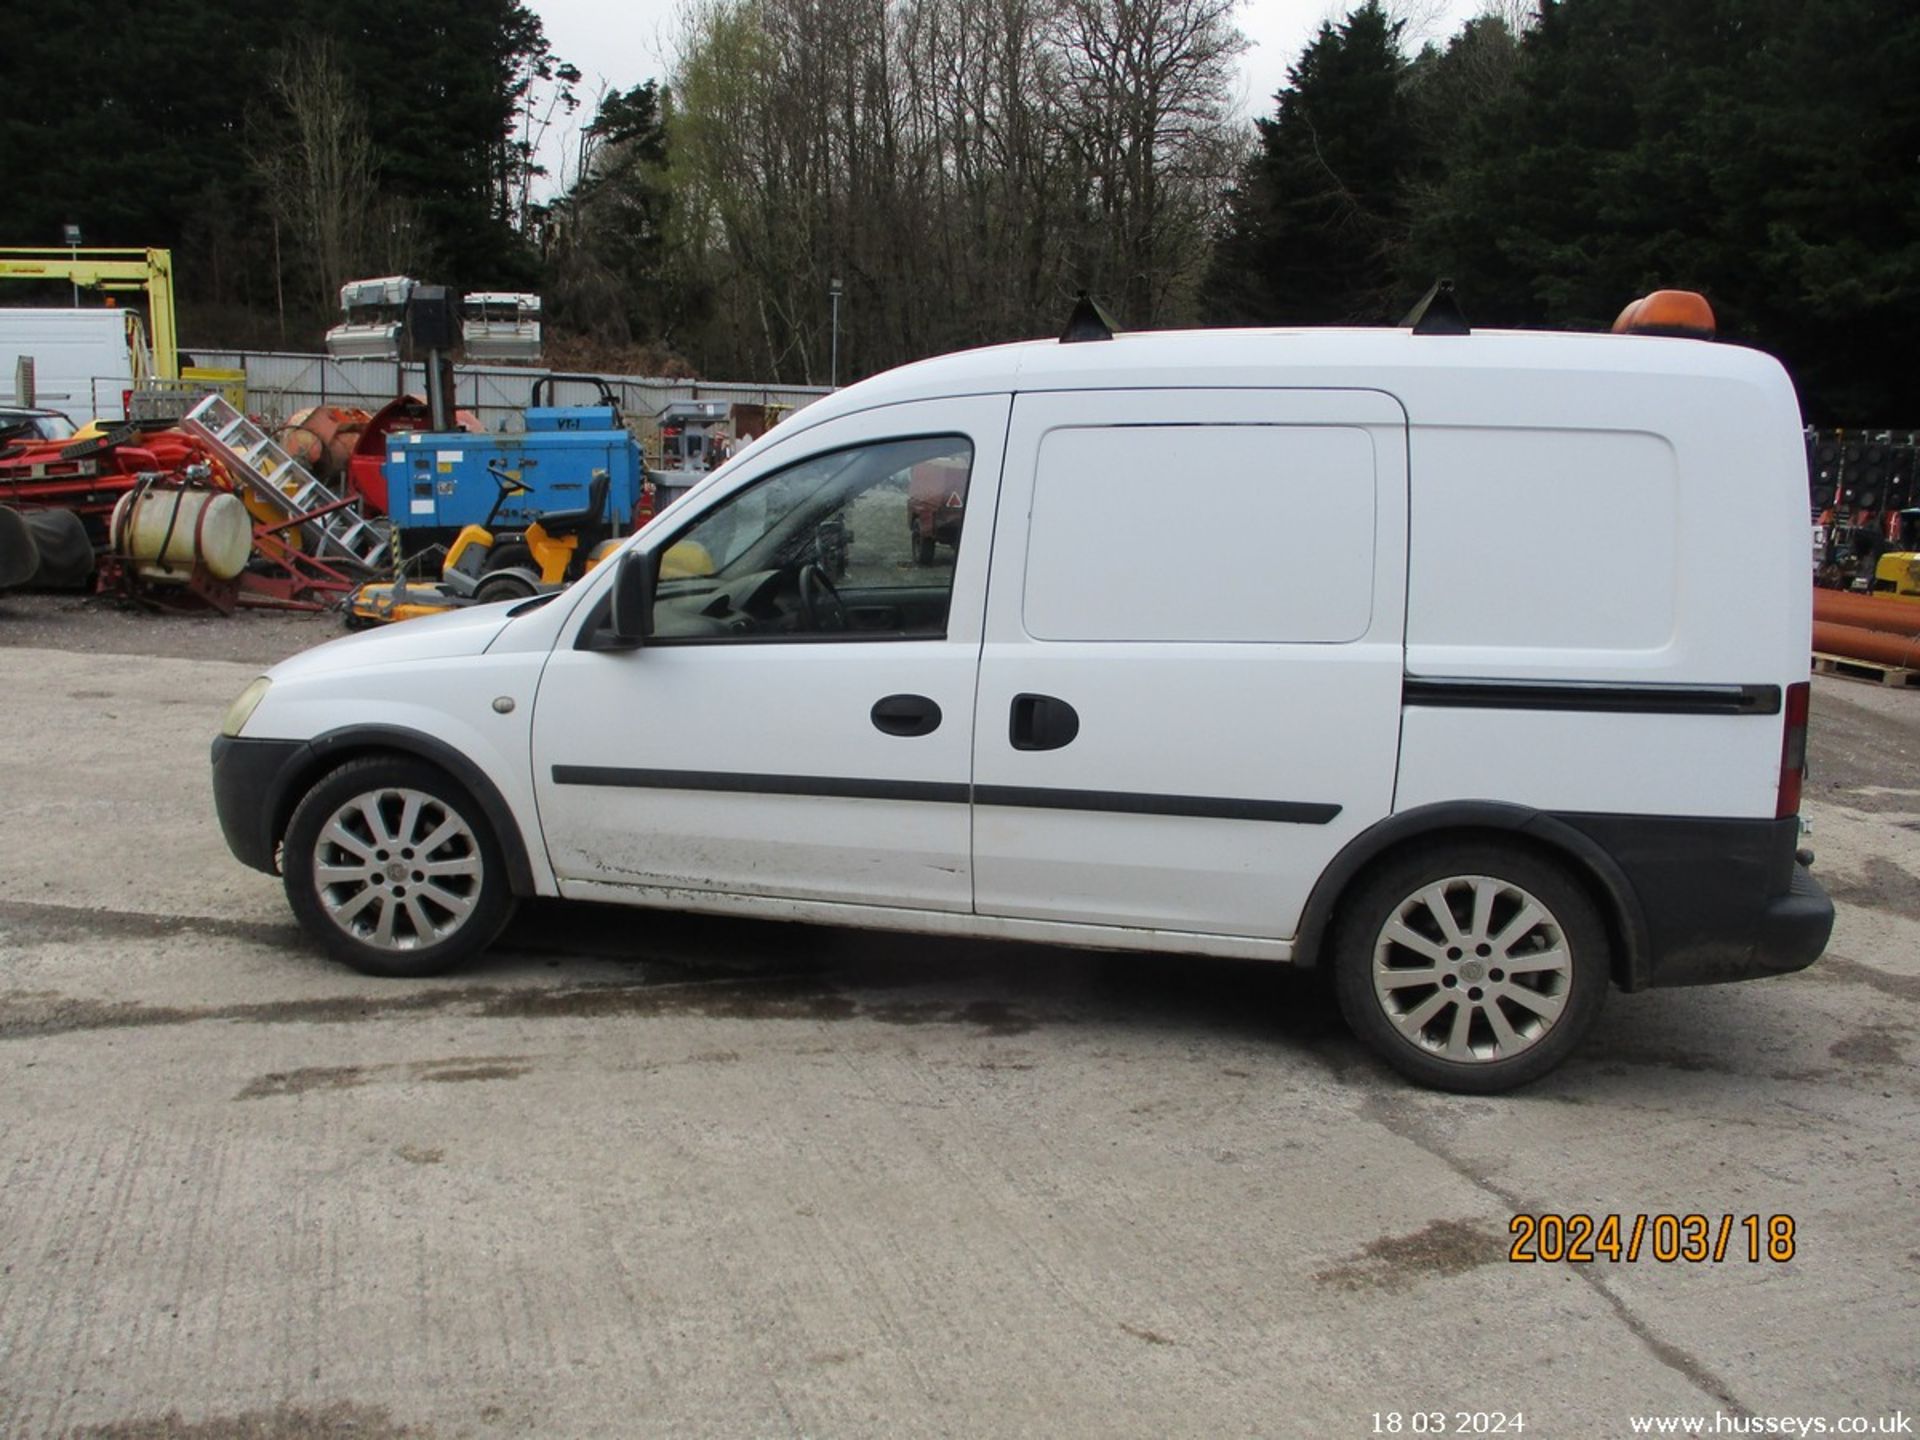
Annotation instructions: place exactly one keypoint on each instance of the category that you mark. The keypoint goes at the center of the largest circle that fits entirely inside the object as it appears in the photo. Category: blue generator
(437, 483)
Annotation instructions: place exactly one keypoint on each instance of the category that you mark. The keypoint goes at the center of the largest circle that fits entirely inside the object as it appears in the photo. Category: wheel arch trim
(334, 748)
(1621, 910)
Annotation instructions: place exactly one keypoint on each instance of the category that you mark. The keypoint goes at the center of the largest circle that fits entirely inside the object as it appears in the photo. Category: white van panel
(80, 359)
(1554, 540)
(1201, 533)
(1724, 766)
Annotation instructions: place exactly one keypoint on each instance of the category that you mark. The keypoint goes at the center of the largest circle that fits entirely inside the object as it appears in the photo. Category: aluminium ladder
(338, 531)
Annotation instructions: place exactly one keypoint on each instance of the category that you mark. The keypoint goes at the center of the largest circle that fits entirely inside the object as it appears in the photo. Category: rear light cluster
(1793, 751)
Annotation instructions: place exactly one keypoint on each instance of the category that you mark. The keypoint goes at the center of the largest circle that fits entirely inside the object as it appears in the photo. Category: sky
(623, 42)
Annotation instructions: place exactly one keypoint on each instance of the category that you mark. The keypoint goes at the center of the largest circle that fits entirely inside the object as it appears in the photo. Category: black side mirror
(631, 614)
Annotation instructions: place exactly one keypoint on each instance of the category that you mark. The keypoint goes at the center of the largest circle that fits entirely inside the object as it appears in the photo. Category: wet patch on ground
(25, 1014)
(456, 1070)
(288, 1422)
(300, 1082)
(1617, 1055)
(1839, 967)
(1878, 1046)
(28, 922)
(1884, 886)
(1397, 1262)
(468, 1074)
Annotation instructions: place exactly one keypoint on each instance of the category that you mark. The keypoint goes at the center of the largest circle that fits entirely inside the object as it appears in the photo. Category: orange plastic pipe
(1898, 617)
(1900, 651)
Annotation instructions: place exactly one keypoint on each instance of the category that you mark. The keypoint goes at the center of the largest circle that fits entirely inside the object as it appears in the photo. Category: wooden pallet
(1869, 670)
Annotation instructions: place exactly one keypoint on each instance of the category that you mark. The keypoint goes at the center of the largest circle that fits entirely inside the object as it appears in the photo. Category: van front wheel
(392, 867)
(1473, 968)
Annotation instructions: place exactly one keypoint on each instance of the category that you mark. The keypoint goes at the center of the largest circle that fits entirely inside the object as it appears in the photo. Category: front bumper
(247, 785)
(1722, 899)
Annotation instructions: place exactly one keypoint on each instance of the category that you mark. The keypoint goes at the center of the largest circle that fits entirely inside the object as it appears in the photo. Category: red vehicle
(936, 503)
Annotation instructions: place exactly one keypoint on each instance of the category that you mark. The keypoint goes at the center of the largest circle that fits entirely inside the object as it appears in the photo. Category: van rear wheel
(1474, 968)
(391, 865)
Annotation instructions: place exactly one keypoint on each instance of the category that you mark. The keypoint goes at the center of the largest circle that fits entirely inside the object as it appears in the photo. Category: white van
(1471, 666)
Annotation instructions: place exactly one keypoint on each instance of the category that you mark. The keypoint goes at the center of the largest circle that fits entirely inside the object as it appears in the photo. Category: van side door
(1189, 692)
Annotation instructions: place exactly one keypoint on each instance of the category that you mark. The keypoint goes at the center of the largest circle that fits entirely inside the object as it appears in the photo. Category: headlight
(242, 709)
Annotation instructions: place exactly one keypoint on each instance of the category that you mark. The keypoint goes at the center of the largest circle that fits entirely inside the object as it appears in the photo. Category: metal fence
(280, 384)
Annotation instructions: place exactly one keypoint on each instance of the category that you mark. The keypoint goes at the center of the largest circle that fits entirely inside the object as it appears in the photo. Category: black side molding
(834, 787)
(1115, 802)
(1617, 697)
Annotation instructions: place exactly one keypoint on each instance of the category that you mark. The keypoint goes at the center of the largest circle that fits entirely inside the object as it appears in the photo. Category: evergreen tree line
(1559, 162)
(280, 148)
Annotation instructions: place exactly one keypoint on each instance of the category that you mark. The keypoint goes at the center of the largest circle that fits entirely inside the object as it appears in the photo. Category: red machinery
(89, 478)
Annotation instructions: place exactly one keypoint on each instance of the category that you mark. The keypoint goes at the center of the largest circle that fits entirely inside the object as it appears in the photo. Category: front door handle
(906, 715)
(1042, 722)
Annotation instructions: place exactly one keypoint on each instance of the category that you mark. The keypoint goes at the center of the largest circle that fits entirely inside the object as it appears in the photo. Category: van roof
(1428, 373)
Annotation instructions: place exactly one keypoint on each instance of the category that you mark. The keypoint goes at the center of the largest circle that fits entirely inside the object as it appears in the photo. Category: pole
(833, 289)
(71, 233)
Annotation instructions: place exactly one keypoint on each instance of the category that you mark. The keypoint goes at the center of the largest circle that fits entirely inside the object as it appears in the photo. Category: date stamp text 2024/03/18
(1666, 1237)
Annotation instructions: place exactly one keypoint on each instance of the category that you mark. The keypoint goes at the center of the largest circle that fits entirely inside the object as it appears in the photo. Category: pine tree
(1320, 210)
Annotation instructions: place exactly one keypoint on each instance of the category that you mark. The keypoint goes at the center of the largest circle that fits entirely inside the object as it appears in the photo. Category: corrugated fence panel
(279, 384)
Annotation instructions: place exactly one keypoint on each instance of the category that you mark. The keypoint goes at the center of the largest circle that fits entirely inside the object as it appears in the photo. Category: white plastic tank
(166, 532)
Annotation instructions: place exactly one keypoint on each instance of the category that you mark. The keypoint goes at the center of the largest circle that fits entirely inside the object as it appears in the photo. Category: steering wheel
(508, 485)
(820, 604)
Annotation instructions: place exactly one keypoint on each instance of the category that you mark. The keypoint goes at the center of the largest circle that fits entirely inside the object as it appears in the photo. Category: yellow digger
(554, 550)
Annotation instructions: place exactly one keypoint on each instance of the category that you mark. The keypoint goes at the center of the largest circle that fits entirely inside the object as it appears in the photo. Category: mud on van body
(1473, 667)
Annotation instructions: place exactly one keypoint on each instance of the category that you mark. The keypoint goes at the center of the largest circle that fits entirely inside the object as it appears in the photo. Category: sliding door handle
(1042, 722)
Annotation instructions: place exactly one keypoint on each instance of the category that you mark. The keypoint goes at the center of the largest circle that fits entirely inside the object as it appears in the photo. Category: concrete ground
(645, 1174)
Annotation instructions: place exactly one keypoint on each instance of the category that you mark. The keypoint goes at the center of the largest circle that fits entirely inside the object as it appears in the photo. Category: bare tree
(961, 166)
(1150, 83)
(315, 160)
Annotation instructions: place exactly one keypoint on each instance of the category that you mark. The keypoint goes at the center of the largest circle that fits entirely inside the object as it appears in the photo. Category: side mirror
(631, 613)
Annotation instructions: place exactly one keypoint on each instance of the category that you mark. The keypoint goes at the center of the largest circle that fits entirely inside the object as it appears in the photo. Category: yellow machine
(1897, 576)
(114, 272)
(552, 552)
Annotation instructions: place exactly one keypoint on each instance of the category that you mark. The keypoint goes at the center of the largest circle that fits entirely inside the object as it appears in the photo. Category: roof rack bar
(1437, 313)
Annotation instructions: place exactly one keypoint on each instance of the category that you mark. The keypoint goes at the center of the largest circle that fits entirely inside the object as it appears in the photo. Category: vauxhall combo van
(1470, 667)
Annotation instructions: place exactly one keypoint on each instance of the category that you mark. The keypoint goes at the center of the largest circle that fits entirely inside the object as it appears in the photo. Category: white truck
(82, 360)
(1338, 693)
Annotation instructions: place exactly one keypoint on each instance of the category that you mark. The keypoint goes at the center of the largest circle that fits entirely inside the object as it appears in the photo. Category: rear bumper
(247, 785)
(1721, 899)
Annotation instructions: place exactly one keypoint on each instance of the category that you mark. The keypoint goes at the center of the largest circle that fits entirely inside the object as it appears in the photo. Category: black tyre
(18, 556)
(392, 866)
(1471, 967)
(508, 585)
(511, 555)
(66, 554)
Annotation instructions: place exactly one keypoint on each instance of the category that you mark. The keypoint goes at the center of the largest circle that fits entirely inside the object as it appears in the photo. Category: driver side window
(852, 544)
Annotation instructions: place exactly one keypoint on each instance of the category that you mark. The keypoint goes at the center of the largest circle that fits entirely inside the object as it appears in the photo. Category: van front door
(799, 722)
(1190, 690)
